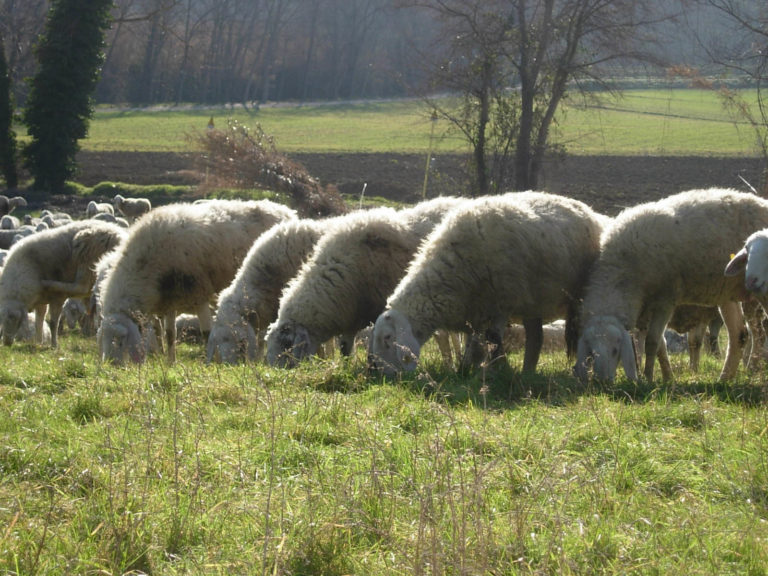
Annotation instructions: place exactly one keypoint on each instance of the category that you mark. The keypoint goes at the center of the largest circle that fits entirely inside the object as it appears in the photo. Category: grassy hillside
(659, 122)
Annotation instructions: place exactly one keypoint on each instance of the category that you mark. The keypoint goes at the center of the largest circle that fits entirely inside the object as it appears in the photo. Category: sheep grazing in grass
(8, 205)
(47, 268)
(248, 305)
(345, 284)
(522, 256)
(175, 259)
(131, 208)
(657, 256)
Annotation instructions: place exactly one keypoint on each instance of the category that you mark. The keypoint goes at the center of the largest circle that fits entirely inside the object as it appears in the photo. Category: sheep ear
(135, 347)
(738, 263)
(580, 368)
(628, 357)
(302, 345)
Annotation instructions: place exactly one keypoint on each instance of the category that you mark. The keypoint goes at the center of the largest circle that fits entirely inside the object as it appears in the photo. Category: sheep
(106, 217)
(131, 208)
(26, 332)
(516, 256)
(8, 205)
(9, 222)
(48, 267)
(659, 255)
(176, 258)
(93, 208)
(250, 302)
(553, 337)
(344, 285)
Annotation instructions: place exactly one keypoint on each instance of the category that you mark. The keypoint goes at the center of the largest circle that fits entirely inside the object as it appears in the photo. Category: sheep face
(231, 343)
(12, 314)
(288, 343)
(393, 347)
(603, 343)
(119, 338)
(752, 260)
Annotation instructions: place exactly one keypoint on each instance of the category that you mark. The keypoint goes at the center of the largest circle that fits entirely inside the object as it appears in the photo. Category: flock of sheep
(264, 283)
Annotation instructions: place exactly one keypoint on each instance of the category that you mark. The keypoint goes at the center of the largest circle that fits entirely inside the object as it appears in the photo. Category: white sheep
(250, 303)
(9, 222)
(175, 259)
(106, 217)
(47, 268)
(8, 205)
(93, 208)
(131, 208)
(345, 284)
(752, 261)
(521, 256)
(659, 255)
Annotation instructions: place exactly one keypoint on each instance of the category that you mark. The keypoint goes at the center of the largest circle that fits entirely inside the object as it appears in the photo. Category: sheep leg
(206, 320)
(754, 355)
(534, 338)
(696, 337)
(654, 338)
(170, 335)
(443, 340)
(40, 311)
(54, 315)
(733, 318)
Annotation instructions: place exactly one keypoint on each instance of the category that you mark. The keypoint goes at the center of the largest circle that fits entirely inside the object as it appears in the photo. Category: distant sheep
(522, 256)
(106, 217)
(93, 208)
(175, 259)
(9, 222)
(131, 208)
(47, 268)
(8, 205)
(553, 337)
(657, 256)
(345, 284)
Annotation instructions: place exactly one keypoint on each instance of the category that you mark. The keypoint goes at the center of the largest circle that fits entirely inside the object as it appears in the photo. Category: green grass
(642, 122)
(323, 470)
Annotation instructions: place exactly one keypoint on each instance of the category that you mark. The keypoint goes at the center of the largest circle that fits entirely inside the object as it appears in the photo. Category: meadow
(327, 470)
(644, 122)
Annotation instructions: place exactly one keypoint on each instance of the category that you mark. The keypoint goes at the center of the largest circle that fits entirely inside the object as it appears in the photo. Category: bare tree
(515, 61)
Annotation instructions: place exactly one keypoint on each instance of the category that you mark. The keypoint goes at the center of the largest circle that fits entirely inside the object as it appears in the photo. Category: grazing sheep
(248, 305)
(95, 208)
(106, 217)
(131, 208)
(657, 256)
(26, 332)
(175, 259)
(47, 268)
(553, 337)
(345, 284)
(516, 256)
(8, 205)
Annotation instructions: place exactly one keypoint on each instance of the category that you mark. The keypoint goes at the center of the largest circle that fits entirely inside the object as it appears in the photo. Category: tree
(740, 47)
(514, 63)
(59, 106)
(7, 135)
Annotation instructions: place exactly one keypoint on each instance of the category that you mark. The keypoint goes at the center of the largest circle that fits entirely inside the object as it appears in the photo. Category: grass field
(647, 122)
(196, 469)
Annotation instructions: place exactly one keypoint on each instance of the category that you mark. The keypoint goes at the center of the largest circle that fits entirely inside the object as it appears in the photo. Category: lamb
(8, 205)
(656, 256)
(248, 305)
(344, 285)
(175, 259)
(518, 256)
(131, 208)
(93, 208)
(47, 268)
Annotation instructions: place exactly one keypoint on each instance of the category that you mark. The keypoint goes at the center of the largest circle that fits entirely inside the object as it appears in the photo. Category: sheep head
(752, 261)
(288, 343)
(12, 314)
(119, 337)
(605, 341)
(393, 346)
(231, 342)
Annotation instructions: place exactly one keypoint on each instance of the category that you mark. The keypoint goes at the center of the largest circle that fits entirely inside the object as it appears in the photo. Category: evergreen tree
(59, 106)
(7, 135)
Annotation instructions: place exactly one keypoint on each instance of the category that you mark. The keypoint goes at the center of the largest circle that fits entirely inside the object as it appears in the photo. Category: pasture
(208, 469)
(639, 122)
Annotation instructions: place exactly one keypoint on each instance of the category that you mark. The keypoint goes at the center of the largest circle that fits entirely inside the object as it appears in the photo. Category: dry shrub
(237, 157)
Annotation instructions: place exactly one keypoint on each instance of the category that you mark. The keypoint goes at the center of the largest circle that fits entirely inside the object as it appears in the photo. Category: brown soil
(607, 183)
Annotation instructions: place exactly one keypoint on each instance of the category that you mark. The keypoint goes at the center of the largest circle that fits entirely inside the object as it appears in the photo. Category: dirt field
(607, 183)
